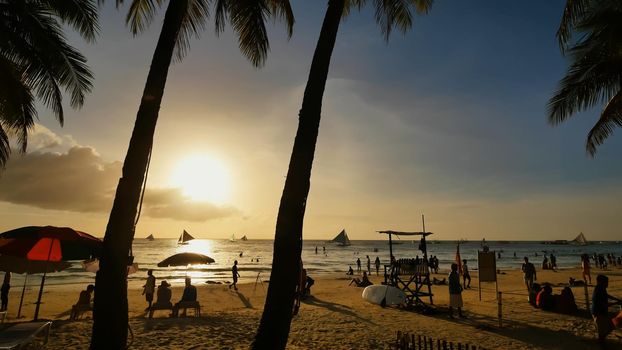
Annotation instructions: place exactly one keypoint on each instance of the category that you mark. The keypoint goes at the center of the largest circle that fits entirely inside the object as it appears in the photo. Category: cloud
(171, 203)
(79, 180)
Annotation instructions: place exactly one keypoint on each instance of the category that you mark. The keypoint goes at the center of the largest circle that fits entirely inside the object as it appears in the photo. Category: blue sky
(448, 120)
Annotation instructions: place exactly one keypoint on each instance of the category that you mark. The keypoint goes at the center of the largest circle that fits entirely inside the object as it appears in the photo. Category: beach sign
(487, 269)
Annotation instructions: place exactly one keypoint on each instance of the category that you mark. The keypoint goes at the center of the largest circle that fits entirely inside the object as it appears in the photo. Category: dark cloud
(80, 181)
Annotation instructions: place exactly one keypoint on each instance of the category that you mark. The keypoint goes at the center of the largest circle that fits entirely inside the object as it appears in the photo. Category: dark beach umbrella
(15, 264)
(185, 259)
(48, 244)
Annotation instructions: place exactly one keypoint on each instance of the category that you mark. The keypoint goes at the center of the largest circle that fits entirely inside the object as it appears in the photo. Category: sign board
(487, 266)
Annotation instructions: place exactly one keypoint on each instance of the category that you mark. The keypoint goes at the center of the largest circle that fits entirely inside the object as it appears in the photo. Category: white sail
(342, 238)
(150, 238)
(580, 239)
(232, 239)
(184, 238)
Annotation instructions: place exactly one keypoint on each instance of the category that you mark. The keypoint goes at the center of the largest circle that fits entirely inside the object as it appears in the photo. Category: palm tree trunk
(110, 314)
(275, 322)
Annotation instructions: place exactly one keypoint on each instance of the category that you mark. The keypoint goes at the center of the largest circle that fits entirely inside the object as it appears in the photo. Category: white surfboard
(375, 294)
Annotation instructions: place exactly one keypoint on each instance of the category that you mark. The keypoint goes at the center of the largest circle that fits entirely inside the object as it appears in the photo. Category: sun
(202, 178)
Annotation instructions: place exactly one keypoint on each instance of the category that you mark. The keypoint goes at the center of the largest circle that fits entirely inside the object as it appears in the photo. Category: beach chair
(156, 307)
(78, 309)
(25, 335)
(194, 305)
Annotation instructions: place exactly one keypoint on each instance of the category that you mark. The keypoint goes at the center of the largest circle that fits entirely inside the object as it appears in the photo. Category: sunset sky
(448, 120)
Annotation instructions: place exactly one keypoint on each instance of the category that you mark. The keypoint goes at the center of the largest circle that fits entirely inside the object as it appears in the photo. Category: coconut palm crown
(37, 62)
(594, 77)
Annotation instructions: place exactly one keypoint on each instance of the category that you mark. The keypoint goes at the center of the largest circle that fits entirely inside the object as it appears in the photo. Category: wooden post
(587, 298)
(500, 307)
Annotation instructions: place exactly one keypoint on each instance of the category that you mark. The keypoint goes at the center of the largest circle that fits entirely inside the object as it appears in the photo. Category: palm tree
(276, 319)
(182, 20)
(36, 62)
(595, 73)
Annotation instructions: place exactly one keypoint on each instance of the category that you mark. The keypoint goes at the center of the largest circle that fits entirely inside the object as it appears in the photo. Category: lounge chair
(25, 335)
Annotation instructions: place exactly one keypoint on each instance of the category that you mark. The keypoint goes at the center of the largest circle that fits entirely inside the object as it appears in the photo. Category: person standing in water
(358, 264)
(377, 263)
(236, 274)
(368, 266)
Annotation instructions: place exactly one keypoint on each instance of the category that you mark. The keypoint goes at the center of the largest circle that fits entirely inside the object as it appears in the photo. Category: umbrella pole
(21, 300)
(43, 281)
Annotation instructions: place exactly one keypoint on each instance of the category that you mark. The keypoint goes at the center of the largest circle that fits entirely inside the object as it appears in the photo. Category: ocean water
(257, 258)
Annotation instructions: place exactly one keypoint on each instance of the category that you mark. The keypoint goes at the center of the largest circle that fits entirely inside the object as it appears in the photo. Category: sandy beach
(336, 317)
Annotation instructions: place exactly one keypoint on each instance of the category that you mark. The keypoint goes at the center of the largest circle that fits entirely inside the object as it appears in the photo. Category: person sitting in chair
(84, 302)
(189, 295)
(363, 282)
(164, 295)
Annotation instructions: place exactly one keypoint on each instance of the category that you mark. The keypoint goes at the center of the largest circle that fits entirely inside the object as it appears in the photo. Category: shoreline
(336, 317)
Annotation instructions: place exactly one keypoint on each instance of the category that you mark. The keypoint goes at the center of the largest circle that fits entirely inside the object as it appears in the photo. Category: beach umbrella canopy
(185, 259)
(19, 265)
(49, 243)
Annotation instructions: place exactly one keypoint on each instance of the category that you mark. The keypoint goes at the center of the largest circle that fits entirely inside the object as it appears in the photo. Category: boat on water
(184, 238)
(150, 238)
(580, 239)
(341, 239)
(232, 239)
(244, 238)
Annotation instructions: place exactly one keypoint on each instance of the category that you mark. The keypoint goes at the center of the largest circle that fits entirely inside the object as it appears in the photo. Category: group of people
(358, 266)
(542, 297)
(549, 263)
(164, 294)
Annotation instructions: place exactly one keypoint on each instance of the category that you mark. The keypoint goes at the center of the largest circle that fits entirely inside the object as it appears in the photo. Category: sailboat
(184, 238)
(580, 240)
(342, 238)
(149, 238)
(232, 239)
(244, 238)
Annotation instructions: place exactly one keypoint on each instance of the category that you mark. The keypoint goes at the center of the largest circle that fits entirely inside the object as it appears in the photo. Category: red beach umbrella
(49, 244)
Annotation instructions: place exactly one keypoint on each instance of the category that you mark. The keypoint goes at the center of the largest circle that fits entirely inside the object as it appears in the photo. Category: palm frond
(247, 17)
(17, 106)
(573, 12)
(282, 9)
(141, 13)
(81, 15)
(193, 23)
(610, 118)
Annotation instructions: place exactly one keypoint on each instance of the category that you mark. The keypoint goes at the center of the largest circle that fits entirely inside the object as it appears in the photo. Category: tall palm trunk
(277, 315)
(110, 314)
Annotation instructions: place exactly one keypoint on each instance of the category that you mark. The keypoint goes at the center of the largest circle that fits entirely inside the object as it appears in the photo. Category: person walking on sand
(236, 274)
(455, 291)
(358, 264)
(600, 310)
(4, 291)
(368, 266)
(585, 268)
(377, 263)
(149, 288)
(466, 276)
(529, 274)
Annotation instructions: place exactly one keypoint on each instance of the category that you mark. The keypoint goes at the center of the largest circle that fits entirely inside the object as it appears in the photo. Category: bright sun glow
(202, 178)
